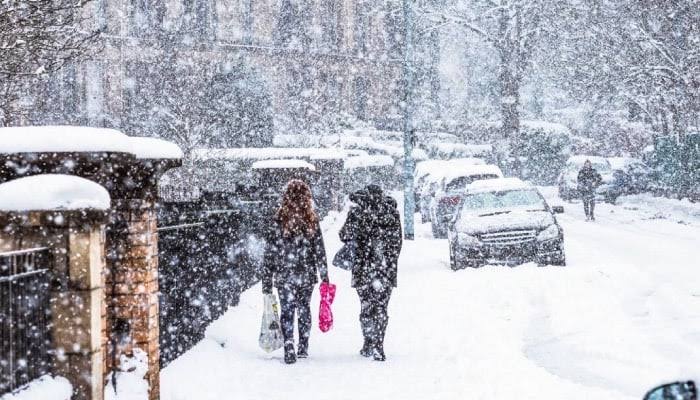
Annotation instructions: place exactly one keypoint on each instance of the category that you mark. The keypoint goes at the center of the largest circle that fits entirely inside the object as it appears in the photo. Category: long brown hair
(296, 213)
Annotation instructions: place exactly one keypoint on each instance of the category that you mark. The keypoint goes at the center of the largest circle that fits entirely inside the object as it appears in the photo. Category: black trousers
(295, 299)
(589, 205)
(374, 312)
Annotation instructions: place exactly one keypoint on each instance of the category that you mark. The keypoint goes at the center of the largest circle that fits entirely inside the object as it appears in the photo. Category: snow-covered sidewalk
(622, 317)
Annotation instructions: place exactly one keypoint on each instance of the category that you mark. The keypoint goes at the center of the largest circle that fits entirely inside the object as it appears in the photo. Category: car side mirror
(673, 391)
(558, 209)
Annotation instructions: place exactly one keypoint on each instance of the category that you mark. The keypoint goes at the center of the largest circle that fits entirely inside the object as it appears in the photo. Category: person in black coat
(294, 257)
(374, 224)
(588, 180)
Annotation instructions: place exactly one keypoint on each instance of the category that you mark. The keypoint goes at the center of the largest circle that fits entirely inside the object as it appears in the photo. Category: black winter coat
(375, 225)
(588, 180)
(293, 261)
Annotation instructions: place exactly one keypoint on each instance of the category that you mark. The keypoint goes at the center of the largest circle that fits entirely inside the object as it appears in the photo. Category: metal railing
(25, 317)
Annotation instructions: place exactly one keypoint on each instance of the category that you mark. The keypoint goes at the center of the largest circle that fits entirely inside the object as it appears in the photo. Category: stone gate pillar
(129, 168)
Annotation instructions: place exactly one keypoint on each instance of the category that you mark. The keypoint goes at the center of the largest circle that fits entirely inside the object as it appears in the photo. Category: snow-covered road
(621, 318)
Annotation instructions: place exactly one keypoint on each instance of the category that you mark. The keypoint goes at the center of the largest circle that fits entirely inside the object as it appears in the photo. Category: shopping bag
(325, 315)
(345, 257)
(270, 330)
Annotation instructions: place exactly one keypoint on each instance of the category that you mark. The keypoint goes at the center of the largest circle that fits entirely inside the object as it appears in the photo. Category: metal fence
(25, 317)
(205, 256)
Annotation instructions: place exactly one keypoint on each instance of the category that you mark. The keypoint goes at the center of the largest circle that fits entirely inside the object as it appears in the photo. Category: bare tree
(514, 28)
(37, 37)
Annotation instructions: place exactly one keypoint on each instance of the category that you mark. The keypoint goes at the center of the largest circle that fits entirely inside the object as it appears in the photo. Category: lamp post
(408, 130)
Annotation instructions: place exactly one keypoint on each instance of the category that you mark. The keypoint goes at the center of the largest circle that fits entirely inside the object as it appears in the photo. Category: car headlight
(467, 240)
(552, 232)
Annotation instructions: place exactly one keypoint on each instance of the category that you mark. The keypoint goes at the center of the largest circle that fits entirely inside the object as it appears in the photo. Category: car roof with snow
(283, 164)
(497, 185)
(368, 161)
(622, 162)
(459, 171)
(268, 153)
(581, 158)
(439, 166)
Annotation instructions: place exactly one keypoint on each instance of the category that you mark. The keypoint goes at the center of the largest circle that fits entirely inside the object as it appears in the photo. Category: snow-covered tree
(514, 28)
(37, 37)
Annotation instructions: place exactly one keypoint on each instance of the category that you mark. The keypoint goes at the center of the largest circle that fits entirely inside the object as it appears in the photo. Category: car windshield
(495, 202)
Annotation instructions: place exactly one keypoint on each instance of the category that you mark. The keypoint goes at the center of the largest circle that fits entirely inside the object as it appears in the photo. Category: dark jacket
(588, 180)
(295, 260)
(375, 225)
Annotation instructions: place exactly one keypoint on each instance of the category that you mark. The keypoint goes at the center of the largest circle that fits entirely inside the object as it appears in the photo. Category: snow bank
(52, 192)
(682, 211)
(369, 161)
(44, 388)
(131, 382)
(63, 139)
(500, 184)
(283, 164)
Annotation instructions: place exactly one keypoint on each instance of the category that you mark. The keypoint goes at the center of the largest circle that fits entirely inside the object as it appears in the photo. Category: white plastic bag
(270, 330)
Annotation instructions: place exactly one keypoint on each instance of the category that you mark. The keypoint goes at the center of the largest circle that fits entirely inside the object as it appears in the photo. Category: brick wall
(132, 286)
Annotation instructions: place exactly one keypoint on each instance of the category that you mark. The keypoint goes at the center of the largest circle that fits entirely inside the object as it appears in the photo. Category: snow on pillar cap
(52, 193)
(81, 139)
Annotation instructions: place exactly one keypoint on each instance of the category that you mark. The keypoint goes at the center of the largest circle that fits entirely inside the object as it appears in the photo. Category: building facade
(318, 59)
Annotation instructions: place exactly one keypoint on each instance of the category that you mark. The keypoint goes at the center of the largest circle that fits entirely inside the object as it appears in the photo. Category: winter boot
(378, 352)
(303, 349)
(366, 350)
(289, 356)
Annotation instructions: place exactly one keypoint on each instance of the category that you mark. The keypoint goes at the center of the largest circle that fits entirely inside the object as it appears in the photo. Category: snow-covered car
(505, 221)
(452, 187)
(435, 168)
(630, 176)
(568, 178)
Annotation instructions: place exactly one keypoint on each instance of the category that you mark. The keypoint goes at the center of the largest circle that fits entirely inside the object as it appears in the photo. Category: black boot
(289, 356)
(303, 349)
(378, 352)
(366, 350)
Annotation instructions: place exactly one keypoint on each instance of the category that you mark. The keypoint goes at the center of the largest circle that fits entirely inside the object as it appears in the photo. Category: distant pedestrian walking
(588, 180)
(295, 255)
(374, 225)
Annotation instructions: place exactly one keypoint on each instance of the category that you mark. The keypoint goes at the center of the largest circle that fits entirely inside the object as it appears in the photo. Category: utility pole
(408, 130)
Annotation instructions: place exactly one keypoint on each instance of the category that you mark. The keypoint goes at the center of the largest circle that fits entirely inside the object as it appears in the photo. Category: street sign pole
(408, 130)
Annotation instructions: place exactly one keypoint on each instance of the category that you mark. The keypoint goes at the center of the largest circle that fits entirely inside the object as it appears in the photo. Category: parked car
(448, 196)
(505, 221)
(424, 169)
(568, 178)
(630, 176)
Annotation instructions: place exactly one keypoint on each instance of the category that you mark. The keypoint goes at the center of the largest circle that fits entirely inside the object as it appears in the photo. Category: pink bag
(325, 315)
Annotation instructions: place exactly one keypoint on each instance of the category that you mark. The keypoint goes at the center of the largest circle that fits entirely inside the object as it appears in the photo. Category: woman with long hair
(294, 257)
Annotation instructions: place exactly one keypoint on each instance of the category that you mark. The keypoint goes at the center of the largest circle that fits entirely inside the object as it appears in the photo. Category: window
(198, 17)
(361, 27)
(146, 17)
(361, 98)
(330, 21)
